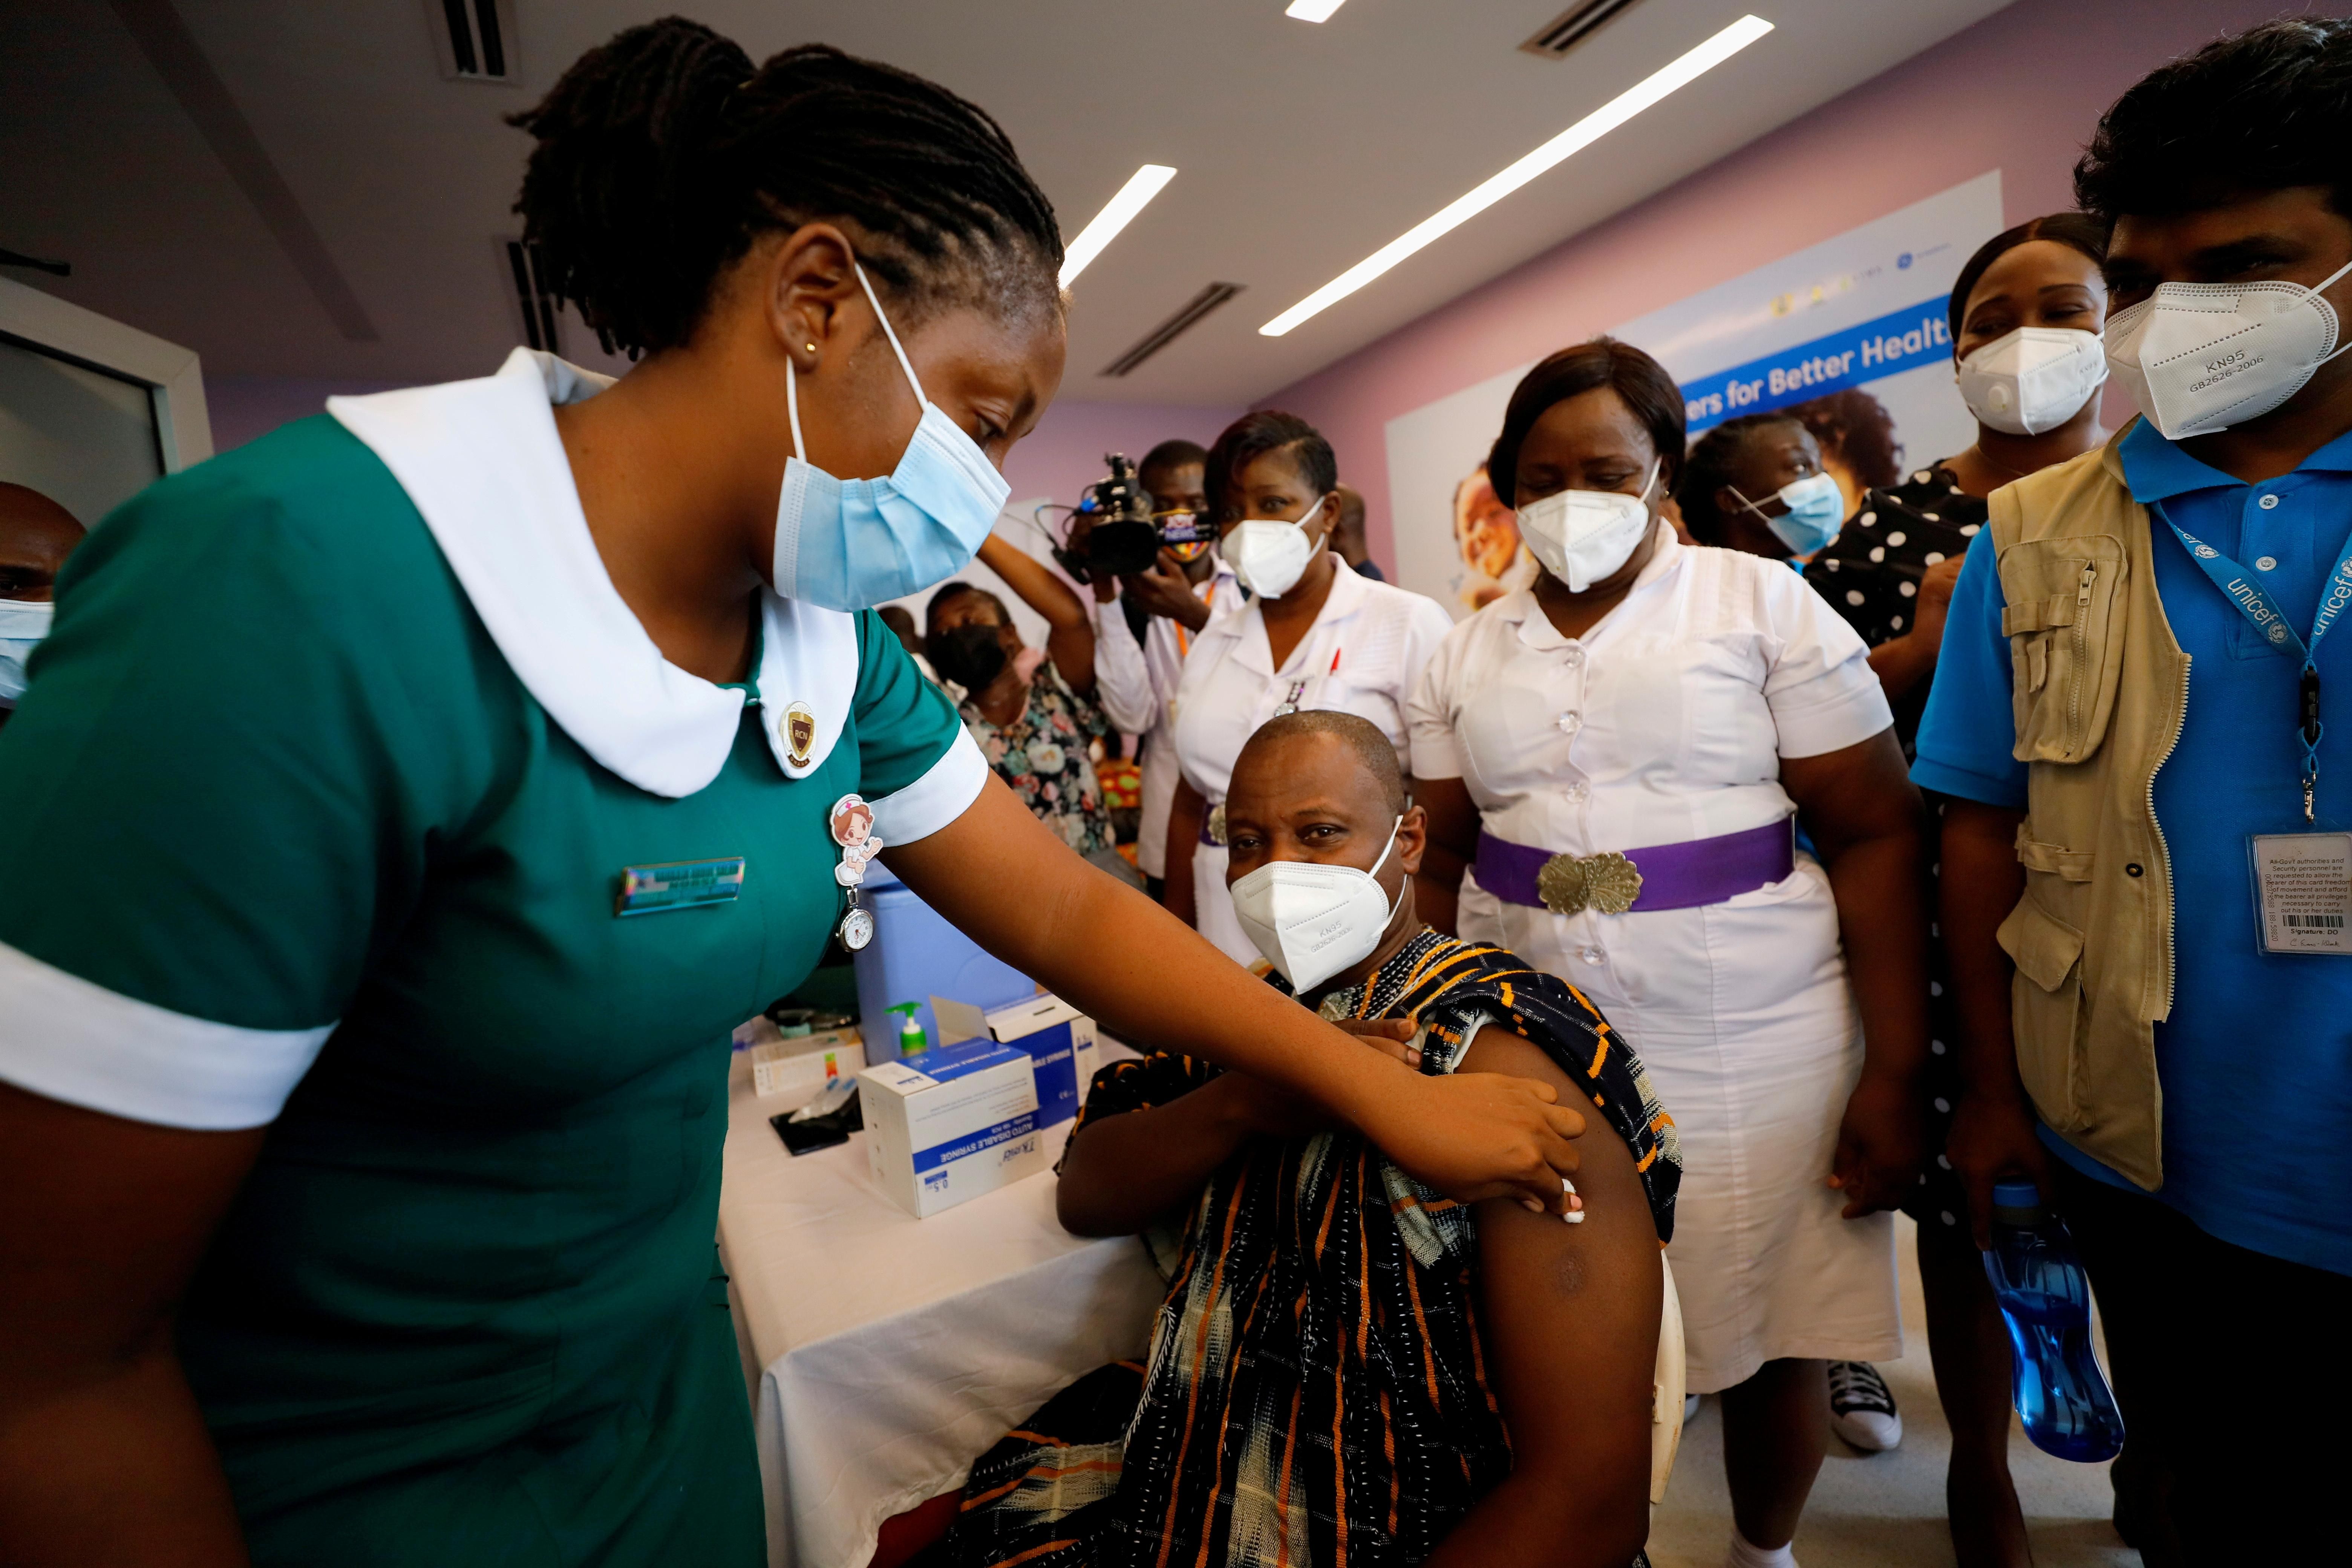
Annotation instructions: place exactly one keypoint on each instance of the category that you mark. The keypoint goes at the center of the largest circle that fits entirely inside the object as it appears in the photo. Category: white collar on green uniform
(484, 466)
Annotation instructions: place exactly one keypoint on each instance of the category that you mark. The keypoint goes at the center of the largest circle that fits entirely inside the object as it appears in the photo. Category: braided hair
(1709, 468)
(663, 153)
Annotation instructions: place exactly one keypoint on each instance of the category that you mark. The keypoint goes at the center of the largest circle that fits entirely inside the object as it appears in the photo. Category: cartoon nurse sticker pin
(851, 821)
(798, 727)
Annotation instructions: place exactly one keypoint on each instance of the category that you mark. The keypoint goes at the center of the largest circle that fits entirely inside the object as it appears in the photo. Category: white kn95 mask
(2034, 379)
(1582, 536)
(1270, 556)
(2200, 357)
(1311, 919)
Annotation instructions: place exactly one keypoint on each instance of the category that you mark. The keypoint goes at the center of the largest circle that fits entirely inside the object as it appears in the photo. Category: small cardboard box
(799, 1064)
(946, 1125)
(1058, 1038)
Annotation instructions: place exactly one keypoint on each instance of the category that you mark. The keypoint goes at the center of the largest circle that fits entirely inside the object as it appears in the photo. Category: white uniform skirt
(1742, 1012)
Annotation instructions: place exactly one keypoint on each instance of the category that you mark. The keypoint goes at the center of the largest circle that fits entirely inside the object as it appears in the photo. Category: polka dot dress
(1871, 571)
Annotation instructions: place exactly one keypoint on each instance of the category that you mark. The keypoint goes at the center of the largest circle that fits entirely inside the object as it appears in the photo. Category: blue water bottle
(2057, 1386)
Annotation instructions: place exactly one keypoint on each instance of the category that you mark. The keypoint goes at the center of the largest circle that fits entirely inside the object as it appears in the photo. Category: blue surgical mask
(23, 623)
(848, 545)
(1816, 512)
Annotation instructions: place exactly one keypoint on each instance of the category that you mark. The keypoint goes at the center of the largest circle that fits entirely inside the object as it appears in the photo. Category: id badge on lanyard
(2302, 878)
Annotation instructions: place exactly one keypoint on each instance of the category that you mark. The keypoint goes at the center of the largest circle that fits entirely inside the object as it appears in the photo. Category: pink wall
(1065, 451)
(2019, 91)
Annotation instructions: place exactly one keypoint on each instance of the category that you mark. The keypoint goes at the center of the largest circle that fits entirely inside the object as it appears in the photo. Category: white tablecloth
(889, 1353)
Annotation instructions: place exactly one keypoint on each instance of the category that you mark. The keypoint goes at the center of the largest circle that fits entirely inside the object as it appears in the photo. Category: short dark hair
(1255, 434)
(2079, 231)
(2260, 111)
(1372, 748)
(662, 153)
(1708, 470)
(1173, 454)
(1634, 376)
(947, 593)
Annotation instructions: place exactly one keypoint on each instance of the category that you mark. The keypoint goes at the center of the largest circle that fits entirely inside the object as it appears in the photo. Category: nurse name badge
(798, 727)
(679, 885)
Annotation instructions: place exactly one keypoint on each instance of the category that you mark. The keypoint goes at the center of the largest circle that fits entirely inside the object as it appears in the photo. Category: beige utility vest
(2101, 687)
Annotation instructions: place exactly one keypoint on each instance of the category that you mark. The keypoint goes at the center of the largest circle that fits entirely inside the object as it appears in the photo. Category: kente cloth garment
(1314, 1391)
(1045, 755)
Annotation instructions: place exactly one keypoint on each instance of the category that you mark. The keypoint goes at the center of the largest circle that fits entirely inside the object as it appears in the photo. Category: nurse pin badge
(798, 727)
(851, 822)
(851, 872)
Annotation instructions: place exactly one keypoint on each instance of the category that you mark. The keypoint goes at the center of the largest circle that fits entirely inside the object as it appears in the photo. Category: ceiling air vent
(1569, 28)
(1174, 327)
(474, 39)
(527, 264)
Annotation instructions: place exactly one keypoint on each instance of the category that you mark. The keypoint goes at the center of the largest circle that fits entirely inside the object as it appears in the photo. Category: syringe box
(946, 1125)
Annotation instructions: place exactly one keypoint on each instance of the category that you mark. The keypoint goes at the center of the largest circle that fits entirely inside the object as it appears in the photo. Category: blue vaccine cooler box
(1058, 1038)
(916, 955)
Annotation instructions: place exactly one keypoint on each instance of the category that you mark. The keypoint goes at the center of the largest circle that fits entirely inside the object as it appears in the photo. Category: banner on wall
(1849, 334)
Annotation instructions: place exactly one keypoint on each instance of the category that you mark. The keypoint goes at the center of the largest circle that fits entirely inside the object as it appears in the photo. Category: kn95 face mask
(2034, 379)
(1313, 920)
(2202, 357)
(850, 545)
(1582, 536)
(1270, 556)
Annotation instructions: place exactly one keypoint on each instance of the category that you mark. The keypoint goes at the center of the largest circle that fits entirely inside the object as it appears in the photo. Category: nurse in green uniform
(406, 806)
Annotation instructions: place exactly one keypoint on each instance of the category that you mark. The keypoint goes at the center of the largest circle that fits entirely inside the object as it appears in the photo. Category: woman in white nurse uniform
(1623, 750)
(1312, 633)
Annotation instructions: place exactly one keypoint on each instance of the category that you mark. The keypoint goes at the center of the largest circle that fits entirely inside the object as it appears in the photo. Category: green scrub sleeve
(262, 702)
(915, 761)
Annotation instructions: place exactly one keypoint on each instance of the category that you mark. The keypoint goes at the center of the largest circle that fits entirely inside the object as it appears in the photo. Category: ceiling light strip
(1313, 10)
(1117, 213)
(1573, 140)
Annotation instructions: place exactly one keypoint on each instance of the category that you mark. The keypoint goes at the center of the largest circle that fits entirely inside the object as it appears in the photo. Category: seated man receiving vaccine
(1346, 1362)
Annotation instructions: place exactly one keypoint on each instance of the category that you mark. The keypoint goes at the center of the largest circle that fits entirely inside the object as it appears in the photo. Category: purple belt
(1663, 876)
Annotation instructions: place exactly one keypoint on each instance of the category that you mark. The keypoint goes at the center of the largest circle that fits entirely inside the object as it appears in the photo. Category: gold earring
(811, 347)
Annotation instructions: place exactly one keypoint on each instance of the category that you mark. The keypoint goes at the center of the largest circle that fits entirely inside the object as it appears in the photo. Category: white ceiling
(1300, 150)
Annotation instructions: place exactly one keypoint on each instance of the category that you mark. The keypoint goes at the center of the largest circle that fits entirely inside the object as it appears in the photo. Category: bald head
(37, 534)
(1369, 750)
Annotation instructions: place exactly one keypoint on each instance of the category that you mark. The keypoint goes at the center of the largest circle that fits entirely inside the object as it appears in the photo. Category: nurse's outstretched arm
(1017, 889)
(103, 1455)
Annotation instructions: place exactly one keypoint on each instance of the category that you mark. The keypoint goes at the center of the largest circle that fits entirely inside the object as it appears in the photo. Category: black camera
(1114, 530)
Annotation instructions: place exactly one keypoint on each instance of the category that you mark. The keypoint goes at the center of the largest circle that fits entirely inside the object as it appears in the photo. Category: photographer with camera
(1037, 713)
(1163, 607)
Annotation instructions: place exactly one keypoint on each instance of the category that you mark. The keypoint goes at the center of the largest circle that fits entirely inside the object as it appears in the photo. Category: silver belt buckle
(1571, 884)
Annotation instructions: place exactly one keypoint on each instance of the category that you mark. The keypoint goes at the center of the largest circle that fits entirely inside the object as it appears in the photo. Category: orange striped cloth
(1315, 1390)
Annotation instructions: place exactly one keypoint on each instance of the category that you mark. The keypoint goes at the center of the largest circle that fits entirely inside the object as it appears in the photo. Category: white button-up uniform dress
(1165, 645)
(1667, 723)
(1363, 654)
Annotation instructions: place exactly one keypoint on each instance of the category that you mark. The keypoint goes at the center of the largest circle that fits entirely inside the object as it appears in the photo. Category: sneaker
(1690, 1408)
(1861, 1407)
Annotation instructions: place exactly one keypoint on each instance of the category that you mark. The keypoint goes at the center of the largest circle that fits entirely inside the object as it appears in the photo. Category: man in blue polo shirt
(2169, 1059)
